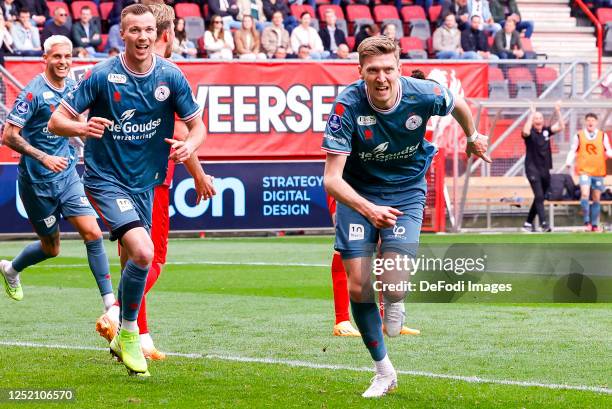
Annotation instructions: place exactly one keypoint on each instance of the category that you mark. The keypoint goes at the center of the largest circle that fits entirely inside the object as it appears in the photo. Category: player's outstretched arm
(379, 216)
(477, 144)
(13, 139)
(63, 123)
(529, 122)
(195, 137)
(558, 126)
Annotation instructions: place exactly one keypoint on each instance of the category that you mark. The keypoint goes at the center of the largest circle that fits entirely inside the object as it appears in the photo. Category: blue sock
(586, 216)
(133, 282)
(98, 263)
(595, 209)
(30, 255)
(368, 321)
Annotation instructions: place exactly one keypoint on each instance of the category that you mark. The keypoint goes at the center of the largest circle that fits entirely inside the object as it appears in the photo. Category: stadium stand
(76, 7)
(183, 10)
(521, 82)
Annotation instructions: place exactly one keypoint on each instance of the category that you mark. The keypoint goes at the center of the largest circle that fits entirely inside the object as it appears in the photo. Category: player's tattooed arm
(13, 139)
(380, 216)
(463, 115)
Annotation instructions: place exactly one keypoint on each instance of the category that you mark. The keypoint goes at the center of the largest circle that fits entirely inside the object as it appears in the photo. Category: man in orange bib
(588, 152)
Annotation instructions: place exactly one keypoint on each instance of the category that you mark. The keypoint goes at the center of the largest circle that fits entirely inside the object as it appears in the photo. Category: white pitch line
(312, 365)
(214, 263)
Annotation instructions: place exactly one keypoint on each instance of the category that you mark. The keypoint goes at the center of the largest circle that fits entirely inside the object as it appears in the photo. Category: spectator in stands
(57, 26)
(365, 31)
(182, 47)
(247, 41)
(343, 52)
(474, 42)
(507, 44)
(502, 9)
(228, 10)
(304, 52)
(114, 17)
(275, 37)
(80, 52)
(481, 8)
(457, 8)
(280, 53)
(26, 41)
(253, 8)
(304, 34)
(38, 9)
(113, 52)
(6, 40)
(272, 6)
(390, 31)
(588, 152)
(218, 42)
(538, 162)
(331, 36)
(86, 33)
(447, 39)
(10, 12)
(114, 39)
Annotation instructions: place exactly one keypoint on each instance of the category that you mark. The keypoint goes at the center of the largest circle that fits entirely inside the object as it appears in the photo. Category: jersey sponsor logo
(124, 205)
(117, 78)
(126, 130)
(413, 122)
(162, 93)
(48, 94)
(399, 232)
(366, 120)
(378, 153)
(22, 107)
(50, 221)
(334, 122)
(332, 138)
(356, 232)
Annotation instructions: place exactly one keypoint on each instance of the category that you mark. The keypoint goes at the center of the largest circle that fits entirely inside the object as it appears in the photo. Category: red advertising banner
(278, 110)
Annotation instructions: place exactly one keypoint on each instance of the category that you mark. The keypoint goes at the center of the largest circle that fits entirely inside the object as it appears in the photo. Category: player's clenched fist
(383, 217)
(181, 150)
(479, 147)
(96, 126)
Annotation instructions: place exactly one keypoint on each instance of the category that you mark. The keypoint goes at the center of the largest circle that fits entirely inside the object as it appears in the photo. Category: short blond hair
(164, 15)
(377, 45)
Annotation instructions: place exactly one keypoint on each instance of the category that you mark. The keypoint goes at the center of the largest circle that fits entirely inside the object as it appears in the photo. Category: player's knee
(92, 235)
(51, 249)
(143, 256)
(395, 296)
(359, 293)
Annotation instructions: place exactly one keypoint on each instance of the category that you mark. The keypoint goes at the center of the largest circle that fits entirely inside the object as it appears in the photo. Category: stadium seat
(102, 47)
(413, 48)
(350, 41)
(336, 8)
(205, 14)
(546, 76)
(498, 85)
(521, 83)
(298, 9)
(183, 10)
(53, 5)
(385, 12)
(194, 28)
(608, 39)
(356, 25)
(604, 15)
(434, 13)
(105, 9)
(528, 48)
(78, 5)
(358, 12)
(341, 25)
(413, 13)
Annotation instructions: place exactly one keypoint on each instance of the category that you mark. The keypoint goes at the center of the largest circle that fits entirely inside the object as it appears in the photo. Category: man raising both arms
(49, 184)
(132, 99)
(108, 323)
(376, 162)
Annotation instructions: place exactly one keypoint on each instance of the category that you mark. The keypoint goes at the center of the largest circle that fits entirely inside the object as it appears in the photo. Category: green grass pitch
(251, 321)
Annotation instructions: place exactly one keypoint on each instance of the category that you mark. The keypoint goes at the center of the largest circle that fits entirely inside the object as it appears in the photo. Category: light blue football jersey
(31, 112)
(387, 150)
(132, 153)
